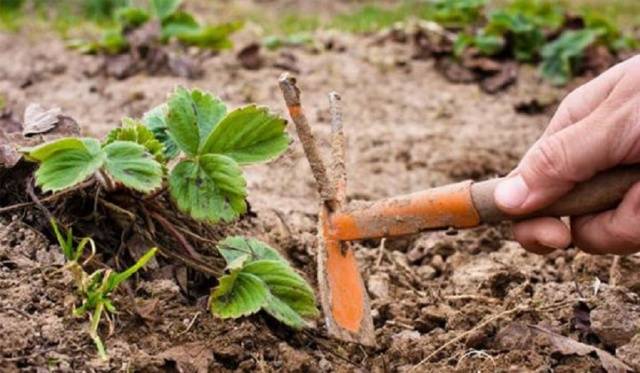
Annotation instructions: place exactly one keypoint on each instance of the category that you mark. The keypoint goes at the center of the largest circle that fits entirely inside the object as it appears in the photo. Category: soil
(459, 299)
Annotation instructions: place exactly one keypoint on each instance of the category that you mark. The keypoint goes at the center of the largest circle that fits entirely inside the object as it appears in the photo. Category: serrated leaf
(191, 116)
(212, 188)
(165, 8)
(66, 162)
(155, 120)
(135, 131)
(130, 164)
(248, 135)
(238, 294)
(285, 284)
(234, 247)
(181, 122)
(291, 298)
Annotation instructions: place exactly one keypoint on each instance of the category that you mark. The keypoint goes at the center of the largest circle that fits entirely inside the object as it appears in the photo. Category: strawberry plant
(259, 278)
(96, 288)
(195, 147)
(531, 31)
(207, 182)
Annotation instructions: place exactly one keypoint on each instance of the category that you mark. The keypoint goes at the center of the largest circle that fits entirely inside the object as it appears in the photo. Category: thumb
(554, 165)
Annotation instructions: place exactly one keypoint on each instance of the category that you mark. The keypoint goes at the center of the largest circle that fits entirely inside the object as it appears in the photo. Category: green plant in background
(561, 57)
(458, 13)
(259, 278)
(609, 33)
(175, 24)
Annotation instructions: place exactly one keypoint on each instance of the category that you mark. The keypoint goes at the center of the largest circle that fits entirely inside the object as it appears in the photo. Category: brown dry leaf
(505, 77)
(146, 308)
(568, 346)
(190, 357)
(250, 57)
(37, 119)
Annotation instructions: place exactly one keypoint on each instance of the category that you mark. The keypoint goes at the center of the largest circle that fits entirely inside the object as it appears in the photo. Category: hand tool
(461, 205)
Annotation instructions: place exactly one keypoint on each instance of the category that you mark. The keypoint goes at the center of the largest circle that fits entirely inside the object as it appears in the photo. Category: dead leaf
(250, 57)
(507, 76)
(190, 357)
(523, 337)
(455, 72)
(146, 308)
(568, 346)
(37, 119)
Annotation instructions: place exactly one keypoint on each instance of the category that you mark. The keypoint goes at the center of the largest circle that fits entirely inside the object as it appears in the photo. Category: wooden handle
(602, 192)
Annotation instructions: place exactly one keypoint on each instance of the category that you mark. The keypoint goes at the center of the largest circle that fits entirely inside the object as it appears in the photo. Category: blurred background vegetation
(282, 17)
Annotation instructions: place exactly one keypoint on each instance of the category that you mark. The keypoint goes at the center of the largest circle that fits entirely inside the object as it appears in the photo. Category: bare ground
(407, 129)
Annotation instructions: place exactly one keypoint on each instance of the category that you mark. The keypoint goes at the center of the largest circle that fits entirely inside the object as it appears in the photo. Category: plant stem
(93, 330)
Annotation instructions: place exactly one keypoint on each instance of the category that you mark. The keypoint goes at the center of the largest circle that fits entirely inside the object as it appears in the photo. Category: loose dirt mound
(465, 300)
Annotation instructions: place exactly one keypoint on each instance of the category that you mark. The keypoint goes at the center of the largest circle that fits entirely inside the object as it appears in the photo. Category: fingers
(556, 163)
(542, 235)
(585, 99)
(611, 232)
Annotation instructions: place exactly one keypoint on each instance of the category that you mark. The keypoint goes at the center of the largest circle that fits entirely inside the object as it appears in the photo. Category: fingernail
(512, 192)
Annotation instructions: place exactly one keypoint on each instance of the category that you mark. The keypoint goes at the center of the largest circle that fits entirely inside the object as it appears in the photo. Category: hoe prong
(342, 292)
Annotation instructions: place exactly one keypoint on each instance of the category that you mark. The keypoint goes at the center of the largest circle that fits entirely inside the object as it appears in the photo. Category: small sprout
(96, 288)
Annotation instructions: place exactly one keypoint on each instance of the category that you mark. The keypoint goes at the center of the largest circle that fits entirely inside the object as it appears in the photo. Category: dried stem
(46, 199)
(175, 234)
(291, 94)
(338, 149)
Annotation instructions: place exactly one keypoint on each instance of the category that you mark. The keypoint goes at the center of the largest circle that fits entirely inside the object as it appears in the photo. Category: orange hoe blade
(344, 299)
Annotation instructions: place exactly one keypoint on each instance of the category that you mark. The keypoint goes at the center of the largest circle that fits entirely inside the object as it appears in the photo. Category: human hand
(596, 127)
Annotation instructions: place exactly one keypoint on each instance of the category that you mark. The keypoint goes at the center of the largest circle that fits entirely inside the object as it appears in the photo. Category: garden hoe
(465, 204)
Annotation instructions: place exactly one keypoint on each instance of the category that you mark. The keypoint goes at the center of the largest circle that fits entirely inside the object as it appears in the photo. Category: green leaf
(176, 24)
(211, 188)
(155, 120)
(212, 37)
(561, 56)
(164, 8)
(130, 164)
(115, 279)
(208, 111)
(248, 135)
(191, 116)
(66, 162)
(290, 293)
(130, 16)
(237, 246)
(135, 131)
(238, 294)
(181, 122)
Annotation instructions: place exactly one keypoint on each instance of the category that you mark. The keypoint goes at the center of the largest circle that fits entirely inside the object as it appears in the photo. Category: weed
(96, 288)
